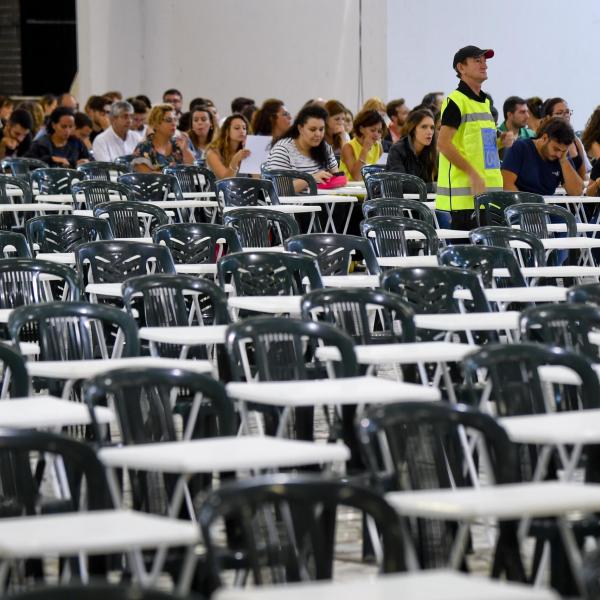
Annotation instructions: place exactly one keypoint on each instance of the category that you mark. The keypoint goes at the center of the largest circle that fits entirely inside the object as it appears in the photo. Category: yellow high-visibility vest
(475, 139)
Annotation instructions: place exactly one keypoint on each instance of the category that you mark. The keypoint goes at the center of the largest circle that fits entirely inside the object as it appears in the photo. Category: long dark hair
(214, 125)
(591, 133)
(56, 115)
(264, 117)
(549, 105)
(313, 111)
(428, 155)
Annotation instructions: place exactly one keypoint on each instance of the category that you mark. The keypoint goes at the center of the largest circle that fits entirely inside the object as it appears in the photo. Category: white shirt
(108, 145)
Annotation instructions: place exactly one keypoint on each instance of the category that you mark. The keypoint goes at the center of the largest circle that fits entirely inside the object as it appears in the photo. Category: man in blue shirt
(541, 165)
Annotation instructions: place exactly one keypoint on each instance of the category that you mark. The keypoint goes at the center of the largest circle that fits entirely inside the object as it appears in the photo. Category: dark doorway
(48, 46)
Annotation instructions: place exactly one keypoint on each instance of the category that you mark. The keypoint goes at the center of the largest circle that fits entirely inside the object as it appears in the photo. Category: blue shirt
(534, 174)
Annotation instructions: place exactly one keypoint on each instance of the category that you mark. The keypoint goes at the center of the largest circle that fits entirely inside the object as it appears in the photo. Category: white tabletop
(185, 336)
(196, 268)
(4, 314)
(99, 531)
(443, 234)
(85, 369)
(62, 258)
(170, 204)
(408, 261)
(423, 585)
(492, 321)
(58, 198)
(285, 208)
(47, 411)
(545, 293)
(553, 271)
(511, 501)
(192, 195)
(569, 427)
(347, 190)
(320, 198)
(267, 304)
(35, 207)
(351, 281)
(318, 392)
(223, 454)
(571, 199)
(410, 353)
(562, 375)
(563, 243)
(114, 290)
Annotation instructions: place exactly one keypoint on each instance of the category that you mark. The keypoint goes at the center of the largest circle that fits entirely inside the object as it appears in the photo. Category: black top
(21, 149)
(44, 149)
(402, 158)
(451, 116)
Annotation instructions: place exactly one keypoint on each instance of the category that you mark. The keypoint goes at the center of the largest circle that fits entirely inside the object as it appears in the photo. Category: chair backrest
(21, 167)
(489, 206)
(483, 260)
(534, 254)
(151, 186)
(194, 243)
(283, 181)
(534, 218)
(115, 261)
(286, 526)
(54, 180)
(192, 178)
(283, 349)
(14, 379)
(334, 251)
(564, 325)
(268, 273)
(430, 290)
(132, 219)
(7, 182)
(585, 293)
(398, 207)
(97, 191)
(260, 228)
(63, 233)
(25, 281)
(242, 191)
(388, 236)
(125, 161)
(369, 170)
(389, 184)
(99, 170)
(76, 330)
(351, 310)
(14, 245)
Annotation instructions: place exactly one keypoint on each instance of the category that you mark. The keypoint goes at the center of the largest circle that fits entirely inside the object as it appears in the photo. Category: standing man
(118, 139)
(469, 164)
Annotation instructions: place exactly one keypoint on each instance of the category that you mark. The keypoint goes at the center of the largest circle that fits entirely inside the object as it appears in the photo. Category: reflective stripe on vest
(475, 139)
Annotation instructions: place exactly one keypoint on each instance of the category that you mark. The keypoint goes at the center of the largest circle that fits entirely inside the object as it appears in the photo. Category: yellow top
(372, 156)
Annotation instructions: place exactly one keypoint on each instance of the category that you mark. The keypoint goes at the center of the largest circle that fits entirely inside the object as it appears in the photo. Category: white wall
(543, 47)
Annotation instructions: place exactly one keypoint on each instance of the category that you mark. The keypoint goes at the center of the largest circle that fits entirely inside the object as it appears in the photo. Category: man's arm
(573, 183)
(509, 181)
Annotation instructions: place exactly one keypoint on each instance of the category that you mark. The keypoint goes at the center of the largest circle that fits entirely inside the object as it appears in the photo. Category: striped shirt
(285, 155)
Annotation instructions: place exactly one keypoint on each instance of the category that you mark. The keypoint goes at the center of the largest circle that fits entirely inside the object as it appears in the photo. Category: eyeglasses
(563, 113)
(170, 120)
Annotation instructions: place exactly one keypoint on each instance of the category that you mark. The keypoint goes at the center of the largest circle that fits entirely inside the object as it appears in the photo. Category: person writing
(365, 147)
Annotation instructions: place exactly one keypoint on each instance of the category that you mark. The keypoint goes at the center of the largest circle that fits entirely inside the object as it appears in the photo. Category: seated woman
(304, 148)
(272, 118)
(415, 152)
(83, 129)
(591, 136)
(335, 130)
(58, 147)
(161, 148)
(365, 147)
(204, 128)
(226, 152)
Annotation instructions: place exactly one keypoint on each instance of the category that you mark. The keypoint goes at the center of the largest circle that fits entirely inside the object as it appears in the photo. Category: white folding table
(267, 304)
(505, 296)
(193, 335)
(357, 280)
(329, 201)
(290, 209)
(428, 260)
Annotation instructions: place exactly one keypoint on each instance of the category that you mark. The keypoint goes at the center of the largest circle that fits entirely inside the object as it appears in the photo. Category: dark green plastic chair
(196, 243)
(369, 170)
(501, 236)
(132, 219)
(242, 191)
(8, 219)
(151, 186)
(334, 252)
(100, 170)
(63, 233)
(398, 207)
(54, 180)
(125, 161)
(534, 218)
(348, 309)
(389, 184)
(14, 245)
(483, 260)
(21, 167)
(261, 227)
(192, 178)
(268, 273)
(13, 367)
(388, 237)
(283, 181)
(489, 206)
(96, 192)
(585, 293)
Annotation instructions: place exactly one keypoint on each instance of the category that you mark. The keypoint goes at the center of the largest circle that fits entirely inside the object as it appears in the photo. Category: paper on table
(382, 159)
(259, 146)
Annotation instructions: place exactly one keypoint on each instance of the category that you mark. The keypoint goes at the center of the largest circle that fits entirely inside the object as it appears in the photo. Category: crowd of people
(324, 138)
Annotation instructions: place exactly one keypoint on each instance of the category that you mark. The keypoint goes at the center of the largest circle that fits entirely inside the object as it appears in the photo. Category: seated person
(272, 118)
(16, 135)
(118, 139)
(365, 147)
(59, 147)
(83, 129)
(591, 137)
(226, 152)
(203, 129)
(514, 126)
(304, 148)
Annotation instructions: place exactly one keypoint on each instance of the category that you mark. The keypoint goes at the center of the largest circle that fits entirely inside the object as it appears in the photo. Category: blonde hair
(373, 104)
(157, 114)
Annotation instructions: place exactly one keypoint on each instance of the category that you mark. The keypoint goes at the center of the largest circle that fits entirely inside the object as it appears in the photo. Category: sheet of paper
(382, 159)
(259, 146)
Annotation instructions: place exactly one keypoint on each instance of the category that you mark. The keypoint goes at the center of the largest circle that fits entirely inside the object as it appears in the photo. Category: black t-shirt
(44, 149)
(451, 116)
(21, 149)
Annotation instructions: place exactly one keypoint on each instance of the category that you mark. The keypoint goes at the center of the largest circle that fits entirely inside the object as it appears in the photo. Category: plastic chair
(261, 228)
(241, 191)
(93, 591)
(334, 251)
(22, 167)
(489, 207)
(283, 181)
(533, 256)
(98, 192)
(132, 219)
(285, 527)
(268, 273)
(54, 180)
(14, 379)
(151, 186)
(483, 260)
(398, 207)
(389, 184)
(192, 178)
(347, 309)
(421, 446)
(387, 235)
(99, 170)
(14, 245)
(9, 219)
(115, 261)
(534, 218)
(369, 170)
(585, 293)
(125, 161)
(63, 233)
(197, 243)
